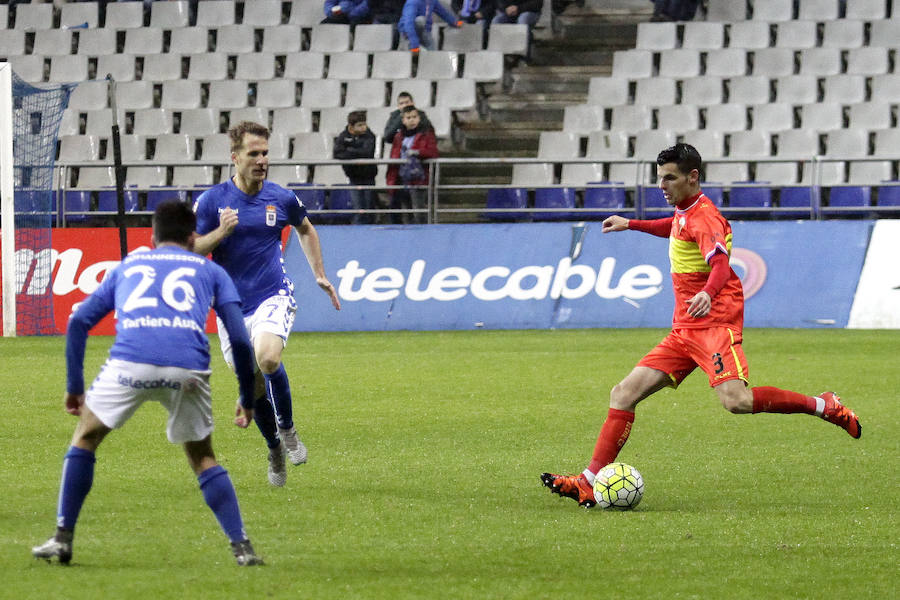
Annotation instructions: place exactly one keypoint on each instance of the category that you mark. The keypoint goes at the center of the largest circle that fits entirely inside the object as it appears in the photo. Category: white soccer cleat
(296, 451)
(277, 470)
(53, 547)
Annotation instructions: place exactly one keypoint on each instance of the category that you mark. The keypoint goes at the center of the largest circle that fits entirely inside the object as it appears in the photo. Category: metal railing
(441, 209)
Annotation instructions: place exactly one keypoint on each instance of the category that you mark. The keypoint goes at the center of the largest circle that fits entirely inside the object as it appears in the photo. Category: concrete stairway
(578, 45)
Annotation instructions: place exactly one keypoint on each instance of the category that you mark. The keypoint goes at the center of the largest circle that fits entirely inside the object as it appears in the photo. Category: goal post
(7, 204)
(30, 116)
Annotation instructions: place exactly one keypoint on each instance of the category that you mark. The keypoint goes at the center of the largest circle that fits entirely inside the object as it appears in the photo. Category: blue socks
(77, 479)
(278, 388)
(78, 476)
(264, 417)
(218, 492)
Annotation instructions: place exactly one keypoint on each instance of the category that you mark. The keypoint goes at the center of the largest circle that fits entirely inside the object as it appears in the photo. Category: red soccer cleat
(575, 487)
(840, 415)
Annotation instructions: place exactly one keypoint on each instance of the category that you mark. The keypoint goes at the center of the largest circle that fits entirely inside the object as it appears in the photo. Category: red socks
(775, 400)
(617, 427)
(613, 436)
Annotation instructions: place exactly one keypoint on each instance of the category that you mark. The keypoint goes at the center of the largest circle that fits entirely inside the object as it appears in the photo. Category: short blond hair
(236, 133)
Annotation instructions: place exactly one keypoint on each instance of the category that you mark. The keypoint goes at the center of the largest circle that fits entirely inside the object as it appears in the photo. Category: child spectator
(357, 141)
(414, 142)
(395, 120)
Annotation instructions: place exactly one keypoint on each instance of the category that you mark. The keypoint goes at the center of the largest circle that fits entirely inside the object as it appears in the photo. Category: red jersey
(698, 232)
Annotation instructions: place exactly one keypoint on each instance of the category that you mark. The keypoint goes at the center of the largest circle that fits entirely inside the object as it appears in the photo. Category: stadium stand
(765, 86)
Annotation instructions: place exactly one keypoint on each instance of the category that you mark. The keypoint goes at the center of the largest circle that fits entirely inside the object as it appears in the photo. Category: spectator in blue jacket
(475, 11)
(417, 19)
(346, 11)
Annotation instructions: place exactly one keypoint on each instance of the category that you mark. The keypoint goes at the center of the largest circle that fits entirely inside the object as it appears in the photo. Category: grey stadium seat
(213, 13)
(391, 64)
(181, 94)
(74, 14)
(124, 15)
(169, 15)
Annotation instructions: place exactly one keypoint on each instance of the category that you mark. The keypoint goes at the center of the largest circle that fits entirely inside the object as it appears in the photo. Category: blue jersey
(162, 299)
(252, 254)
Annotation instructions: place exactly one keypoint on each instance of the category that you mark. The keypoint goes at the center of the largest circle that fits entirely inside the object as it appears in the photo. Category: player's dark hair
(236, 133)
(173, 221)
(357, 116)
(404, 95)
(408, 109)
(684, 155)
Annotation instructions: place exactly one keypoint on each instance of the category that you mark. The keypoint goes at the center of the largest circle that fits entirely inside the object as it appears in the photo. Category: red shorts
(716, 350)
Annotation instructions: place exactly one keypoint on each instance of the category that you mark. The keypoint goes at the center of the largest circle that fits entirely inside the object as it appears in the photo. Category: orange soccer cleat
(575, 487)
(840, 415)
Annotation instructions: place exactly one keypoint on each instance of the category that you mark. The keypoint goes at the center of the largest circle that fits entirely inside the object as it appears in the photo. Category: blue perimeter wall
(565, 275)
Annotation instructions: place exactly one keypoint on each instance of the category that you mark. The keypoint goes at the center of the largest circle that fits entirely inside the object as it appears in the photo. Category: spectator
(523, 12)
(385, 12)
(357, 141)
(416, 21)
(415, 142)
(674, 10)
(395, 120)
(346, 11)
(475, 11)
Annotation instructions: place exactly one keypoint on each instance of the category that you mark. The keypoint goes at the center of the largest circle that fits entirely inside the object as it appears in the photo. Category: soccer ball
(618, 486)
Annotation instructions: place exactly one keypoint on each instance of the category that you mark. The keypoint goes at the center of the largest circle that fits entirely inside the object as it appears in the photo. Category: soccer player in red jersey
(706, 326)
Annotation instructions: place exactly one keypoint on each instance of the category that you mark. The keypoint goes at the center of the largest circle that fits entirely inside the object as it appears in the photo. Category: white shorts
(275, 315)
(122, 387)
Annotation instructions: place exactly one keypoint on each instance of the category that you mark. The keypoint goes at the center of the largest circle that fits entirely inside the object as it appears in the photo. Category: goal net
(29, 125)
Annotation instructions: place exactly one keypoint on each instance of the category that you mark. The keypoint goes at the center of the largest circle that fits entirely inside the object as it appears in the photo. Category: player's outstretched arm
(312, 248)
(615, 223)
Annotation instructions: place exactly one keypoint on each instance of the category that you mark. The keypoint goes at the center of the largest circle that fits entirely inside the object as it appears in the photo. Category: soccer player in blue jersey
(162, 298)
(240, 222)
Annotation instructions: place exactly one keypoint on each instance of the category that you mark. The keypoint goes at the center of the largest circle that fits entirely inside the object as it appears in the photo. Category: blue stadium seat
(312, 196)
(714, 191)
(611, 198)
(851, 196)
(889, 195)
(338, 199)
(554, 198)
(154, 197)
(34, 201)
(654, 200)
(507, 198)
(106, 200)
(800, 197)
(750, 197)
(77, 201)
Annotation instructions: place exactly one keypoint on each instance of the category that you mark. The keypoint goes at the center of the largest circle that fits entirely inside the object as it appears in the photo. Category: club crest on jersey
(271, 215)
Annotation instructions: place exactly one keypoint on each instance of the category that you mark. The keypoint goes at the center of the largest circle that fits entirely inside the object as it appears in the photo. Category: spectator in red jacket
(414, 142)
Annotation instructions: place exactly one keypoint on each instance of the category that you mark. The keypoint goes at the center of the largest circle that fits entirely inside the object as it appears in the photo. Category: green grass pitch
(425, 451)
